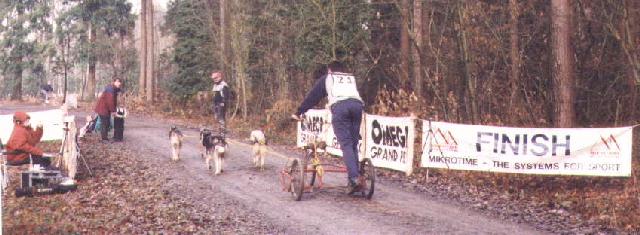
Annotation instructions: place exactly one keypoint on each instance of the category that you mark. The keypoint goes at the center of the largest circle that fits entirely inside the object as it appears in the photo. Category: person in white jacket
(220, 96)
(346, 109)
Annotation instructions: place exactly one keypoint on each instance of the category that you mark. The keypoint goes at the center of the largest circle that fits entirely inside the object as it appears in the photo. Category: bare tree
(417, 47)
(468, 89)
(404, 43)
(143, 49)
(240, 30)
(16, 93)
(91, 80)
(223, 33)
(514, 52)
(563, 64)
(149, 51)
(630, 48)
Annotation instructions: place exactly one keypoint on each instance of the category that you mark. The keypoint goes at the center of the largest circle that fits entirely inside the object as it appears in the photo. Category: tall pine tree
(194, 48)
(23, 22)
(104, 21)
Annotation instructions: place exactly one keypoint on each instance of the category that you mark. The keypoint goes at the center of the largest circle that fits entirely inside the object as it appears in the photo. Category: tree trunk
(91, 82)
(121, 58)
(404, 43)
(214, 17)
(225, 61)
(417, 47)
(83, 88)
(239, 30)
(468, 80)
(334, 31)
(280, 56)
(281, 73)
(16, 93)
(630, 48)
(515, 55)
(150, 52)
(143, 49)
(563, 70)
(435, 78)
(223, 36)
(65, 50)
(243, 80)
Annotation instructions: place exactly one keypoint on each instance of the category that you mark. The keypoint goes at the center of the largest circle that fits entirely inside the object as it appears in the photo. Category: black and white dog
(213, 148)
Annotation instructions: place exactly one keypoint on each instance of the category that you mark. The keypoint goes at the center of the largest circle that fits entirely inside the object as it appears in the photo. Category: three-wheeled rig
(300, 174)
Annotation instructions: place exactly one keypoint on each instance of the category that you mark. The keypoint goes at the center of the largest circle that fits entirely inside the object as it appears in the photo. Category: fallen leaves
(126, 195)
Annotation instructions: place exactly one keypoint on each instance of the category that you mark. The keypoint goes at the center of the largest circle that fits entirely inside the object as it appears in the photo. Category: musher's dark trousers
(346, 119)
(219, 112)
(43, 161)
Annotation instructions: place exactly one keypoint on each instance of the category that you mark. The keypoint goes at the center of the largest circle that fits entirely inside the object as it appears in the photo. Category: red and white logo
(442, 140)
(607, 147)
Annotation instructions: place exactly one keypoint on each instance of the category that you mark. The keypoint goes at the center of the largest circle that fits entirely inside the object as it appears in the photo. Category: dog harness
(257, 137)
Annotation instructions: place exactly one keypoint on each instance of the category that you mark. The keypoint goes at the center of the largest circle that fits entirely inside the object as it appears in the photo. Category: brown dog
(176, 137)
(259, 148)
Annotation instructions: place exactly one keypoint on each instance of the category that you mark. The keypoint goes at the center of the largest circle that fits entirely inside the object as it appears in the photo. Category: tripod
(4, 174)
(75, 147)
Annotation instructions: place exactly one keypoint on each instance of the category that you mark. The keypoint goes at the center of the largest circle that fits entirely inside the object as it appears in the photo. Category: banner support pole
(430, 149)
(364, 139)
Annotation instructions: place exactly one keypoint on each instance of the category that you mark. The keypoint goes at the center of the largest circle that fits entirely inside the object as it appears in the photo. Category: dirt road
(329, 211)
(249, 191)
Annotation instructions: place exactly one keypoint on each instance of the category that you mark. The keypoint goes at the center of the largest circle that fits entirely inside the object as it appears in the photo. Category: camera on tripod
(50, 180)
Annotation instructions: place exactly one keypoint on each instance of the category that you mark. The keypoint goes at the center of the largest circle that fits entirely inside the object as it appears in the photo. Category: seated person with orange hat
(22, 142)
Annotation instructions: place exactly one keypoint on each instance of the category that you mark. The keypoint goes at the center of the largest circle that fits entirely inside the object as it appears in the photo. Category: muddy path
(329, 211)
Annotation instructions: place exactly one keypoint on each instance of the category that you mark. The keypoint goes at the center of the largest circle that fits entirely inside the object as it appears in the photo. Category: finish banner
(548, 151)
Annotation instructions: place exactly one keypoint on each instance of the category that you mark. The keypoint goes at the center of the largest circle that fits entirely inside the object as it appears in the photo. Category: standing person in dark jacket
(346, 110)
(220, 98)
(106, 105)
(45, 90)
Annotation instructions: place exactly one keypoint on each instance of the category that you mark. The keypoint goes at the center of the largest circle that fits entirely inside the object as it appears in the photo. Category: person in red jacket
(22, 142)
(106, 106)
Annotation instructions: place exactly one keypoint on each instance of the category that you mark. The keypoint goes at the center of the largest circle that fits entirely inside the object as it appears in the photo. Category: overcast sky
(159, 3)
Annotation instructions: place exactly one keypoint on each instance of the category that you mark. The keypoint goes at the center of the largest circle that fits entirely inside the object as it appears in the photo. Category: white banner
(51, 121)
(389, 142)
(314, 125)
(317, 124)
(550, 151)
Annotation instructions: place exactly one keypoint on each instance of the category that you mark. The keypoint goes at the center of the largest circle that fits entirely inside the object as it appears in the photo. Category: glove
(296, 117)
